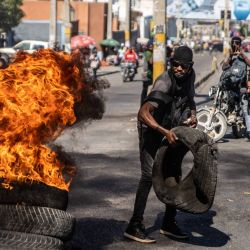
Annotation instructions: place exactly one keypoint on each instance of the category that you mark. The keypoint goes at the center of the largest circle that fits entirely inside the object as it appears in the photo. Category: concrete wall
(36, 30)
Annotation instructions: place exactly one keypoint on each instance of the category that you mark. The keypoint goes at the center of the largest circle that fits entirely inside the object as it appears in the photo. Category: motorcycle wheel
(238, 131)
(218, 127)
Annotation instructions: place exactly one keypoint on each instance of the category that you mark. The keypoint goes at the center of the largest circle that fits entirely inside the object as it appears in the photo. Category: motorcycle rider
(236, 52)
(131, 56)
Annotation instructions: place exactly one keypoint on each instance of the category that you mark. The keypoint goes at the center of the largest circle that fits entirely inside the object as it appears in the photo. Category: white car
(28, 46)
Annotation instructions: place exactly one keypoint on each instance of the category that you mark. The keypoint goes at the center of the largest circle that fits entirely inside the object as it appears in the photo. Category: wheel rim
(216, 129)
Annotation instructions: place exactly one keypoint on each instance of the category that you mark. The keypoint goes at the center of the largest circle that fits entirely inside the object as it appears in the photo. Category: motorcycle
(226, 111)
(128, 70)
(227, 108)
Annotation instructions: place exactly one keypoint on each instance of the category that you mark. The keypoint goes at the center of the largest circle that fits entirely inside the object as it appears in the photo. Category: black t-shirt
(167, 88)
(184, 87)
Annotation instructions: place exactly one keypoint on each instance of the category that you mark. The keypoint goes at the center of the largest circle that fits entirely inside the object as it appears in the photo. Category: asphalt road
(102, 193)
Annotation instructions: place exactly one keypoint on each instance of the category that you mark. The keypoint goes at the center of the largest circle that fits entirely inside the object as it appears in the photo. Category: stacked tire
(33, 216)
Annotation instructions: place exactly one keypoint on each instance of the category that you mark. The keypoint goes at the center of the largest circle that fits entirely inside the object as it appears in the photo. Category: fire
(37, 97)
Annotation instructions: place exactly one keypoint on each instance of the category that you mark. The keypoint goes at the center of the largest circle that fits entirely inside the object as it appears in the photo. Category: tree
(10, 14)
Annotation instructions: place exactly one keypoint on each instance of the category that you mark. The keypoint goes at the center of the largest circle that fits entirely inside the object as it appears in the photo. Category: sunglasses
(183, 65)
(236, 43)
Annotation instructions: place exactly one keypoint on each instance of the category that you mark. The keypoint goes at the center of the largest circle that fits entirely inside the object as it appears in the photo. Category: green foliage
(244, 29)
(10, 14)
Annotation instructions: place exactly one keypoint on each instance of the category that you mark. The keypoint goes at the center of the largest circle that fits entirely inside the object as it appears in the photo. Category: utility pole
(226, 21)
(226, 28)
(109, 21)
(52, 30)
(67, 26)
(128, 23)
(178, 20)
(159, 54)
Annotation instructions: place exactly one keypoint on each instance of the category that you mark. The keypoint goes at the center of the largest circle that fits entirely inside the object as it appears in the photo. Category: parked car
(216, 46)
(28, 46)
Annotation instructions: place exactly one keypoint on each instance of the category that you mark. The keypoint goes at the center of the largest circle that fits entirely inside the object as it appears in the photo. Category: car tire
(36, 220)
(5, 58)
(195, 193)
(19, 241)
(34, 194)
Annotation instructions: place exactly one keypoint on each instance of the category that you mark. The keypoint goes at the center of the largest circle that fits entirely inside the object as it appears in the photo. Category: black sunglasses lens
(236, 43)
(184, 66)
(175, 64)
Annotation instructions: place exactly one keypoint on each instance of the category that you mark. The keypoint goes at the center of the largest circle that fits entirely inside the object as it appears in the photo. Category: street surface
(102, 193)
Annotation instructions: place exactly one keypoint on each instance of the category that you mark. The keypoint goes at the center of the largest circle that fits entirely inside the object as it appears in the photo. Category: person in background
(234, 53)
(147, 74)
(120, 55)
(131, 56)
(94, 62)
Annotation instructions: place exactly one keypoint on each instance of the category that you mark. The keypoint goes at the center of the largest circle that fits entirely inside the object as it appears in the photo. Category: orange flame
(37, 95)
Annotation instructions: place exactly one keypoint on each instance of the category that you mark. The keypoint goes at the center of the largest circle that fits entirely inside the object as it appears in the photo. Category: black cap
(236, 38)
(183, 54)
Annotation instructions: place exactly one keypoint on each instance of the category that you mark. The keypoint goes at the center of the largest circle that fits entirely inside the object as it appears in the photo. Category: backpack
(235, 75)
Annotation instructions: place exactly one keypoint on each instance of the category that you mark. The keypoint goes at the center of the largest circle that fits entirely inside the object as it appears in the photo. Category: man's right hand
(171, 137)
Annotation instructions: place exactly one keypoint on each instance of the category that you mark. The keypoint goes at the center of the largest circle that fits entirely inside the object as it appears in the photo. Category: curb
(203, 79)
(206, 77)
(108, 73)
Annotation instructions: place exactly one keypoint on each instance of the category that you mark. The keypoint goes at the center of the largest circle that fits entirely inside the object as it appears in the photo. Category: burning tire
(35, 194)
(195, 193)
(36, 220)
(17, 240)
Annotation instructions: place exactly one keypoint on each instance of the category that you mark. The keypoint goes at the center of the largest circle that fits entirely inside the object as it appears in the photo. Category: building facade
(86, 19)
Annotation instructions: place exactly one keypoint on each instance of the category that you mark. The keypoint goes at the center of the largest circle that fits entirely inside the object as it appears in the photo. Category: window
(38, 46)
(22, 46)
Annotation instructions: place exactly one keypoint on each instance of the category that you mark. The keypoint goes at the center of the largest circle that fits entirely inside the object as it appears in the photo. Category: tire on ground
(34, 194)
(36, 220)
(195, 193)
(16, 240)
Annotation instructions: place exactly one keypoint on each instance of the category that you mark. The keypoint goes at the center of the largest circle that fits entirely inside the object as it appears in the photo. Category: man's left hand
(191, 122)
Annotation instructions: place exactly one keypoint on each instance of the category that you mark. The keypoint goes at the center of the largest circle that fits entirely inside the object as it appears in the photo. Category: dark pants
(147, 159)
(150, 141)
(143, 190)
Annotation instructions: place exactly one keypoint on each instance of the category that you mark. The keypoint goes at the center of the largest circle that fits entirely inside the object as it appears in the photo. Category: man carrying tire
(170, 104)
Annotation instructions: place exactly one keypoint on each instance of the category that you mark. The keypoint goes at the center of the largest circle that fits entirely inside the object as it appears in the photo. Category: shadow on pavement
(199, 227)
(202, 95)
(94, 184)
(107, 73)
(95, 233)
(207, 100)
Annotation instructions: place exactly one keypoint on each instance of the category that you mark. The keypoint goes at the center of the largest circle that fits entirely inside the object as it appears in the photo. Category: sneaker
(137, 232)
(172, 229)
